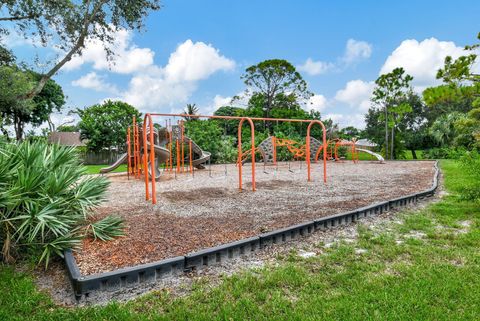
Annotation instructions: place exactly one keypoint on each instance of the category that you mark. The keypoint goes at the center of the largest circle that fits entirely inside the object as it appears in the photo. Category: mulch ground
(200, 212)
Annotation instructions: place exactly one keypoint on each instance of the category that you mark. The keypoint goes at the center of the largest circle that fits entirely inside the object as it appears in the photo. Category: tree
(104, 126)
(349, 132)
(229, 126)
(14, 82)
(191, 109)
(271, 78)
(462, 84)
(389, 95)
(68, 128)
(72, 23)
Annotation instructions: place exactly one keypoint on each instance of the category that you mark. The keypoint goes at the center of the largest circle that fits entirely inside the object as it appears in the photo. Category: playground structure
(149, 147)
(165, 142)
(142, 158)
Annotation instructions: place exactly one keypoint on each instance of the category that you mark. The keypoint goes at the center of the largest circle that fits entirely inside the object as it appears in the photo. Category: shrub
(470, 163)
(444, 153)
(45, 202)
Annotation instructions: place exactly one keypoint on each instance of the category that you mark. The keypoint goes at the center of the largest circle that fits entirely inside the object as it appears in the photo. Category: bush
(46, 203)
(444, 153)
(470, 163)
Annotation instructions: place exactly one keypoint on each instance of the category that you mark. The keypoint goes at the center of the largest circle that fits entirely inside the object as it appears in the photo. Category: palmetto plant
(46, 202)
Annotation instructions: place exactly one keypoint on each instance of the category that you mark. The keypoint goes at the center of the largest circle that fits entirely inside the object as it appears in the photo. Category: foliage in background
(274, 82)
(192, 110)
(16, 81)
(461, 90)
(45, 203)
(75, 23)
(470, 163)
(104, 126)
(390, 95)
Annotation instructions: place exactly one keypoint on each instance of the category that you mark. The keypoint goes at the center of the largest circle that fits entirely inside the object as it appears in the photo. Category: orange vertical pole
(152, 162)
(134, 147)
(191, 158)
(178, 156)
(252, 130)
(274, 143)
(308, 150)
(171, 147)
(145, 164)
(183, 144)
(129, 162)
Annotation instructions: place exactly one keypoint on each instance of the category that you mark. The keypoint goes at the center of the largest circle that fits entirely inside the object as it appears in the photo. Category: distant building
(365, 144)
(71, 139)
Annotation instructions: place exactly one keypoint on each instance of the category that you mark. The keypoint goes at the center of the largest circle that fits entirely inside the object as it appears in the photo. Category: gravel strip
(195, 212)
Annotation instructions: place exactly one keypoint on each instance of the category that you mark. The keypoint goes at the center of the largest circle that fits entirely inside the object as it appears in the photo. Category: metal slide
(200, 156)
(121, 160)
(161, 156)
(378, 156)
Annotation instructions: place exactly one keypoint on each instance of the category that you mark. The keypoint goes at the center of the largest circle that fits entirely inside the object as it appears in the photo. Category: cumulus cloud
(317, 102)
(175, 83)
(356, 94)
(421, 59)
(314, 68)
(356, 50)
(195, 61)
(128, 57)
(355, 120)
(95, 82)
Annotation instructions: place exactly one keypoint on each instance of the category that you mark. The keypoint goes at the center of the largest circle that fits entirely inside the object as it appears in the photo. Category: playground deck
(207, 209)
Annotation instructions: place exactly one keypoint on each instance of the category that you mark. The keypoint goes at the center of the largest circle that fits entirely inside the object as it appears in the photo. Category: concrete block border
(83, 286)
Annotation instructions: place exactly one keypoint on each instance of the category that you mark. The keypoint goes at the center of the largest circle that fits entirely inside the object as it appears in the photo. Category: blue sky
(196, 51)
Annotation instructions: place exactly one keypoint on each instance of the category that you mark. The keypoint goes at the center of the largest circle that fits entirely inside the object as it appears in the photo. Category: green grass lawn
(95, 169)
(399, 277)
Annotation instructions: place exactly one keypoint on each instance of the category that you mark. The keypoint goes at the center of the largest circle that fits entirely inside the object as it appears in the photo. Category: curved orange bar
(145, 163)
(324, 153)
(252, 130)
(129, 153)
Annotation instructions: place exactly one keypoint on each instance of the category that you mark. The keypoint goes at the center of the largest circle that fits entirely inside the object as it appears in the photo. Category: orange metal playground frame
(135, 168)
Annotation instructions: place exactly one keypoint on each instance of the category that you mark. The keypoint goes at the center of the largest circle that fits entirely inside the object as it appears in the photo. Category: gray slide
(378, 156)
(200, 156)
(121, 160)
(161, 156)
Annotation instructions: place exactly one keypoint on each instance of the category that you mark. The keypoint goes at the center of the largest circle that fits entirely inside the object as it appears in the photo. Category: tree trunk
(392, 145)
(386, 133)
(414, 154)
(18, 125)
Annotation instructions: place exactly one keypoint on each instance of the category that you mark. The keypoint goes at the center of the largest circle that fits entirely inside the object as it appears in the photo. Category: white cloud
(421, 59)
(195, 61)
(174, 84)
(355, 120)
(95, 82)
(314, 68)
(317, 102)
(356, 94)
(356, 50)
(128, 57)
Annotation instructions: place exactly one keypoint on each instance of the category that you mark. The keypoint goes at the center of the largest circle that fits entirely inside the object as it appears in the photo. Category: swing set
(142, 148)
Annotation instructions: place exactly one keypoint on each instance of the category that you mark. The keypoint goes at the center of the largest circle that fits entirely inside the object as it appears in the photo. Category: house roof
(365, 142)
(65, 138)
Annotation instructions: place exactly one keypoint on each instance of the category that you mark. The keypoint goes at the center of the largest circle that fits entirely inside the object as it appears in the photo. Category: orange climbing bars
(252, 139)
(324, 138)
(148, 121)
